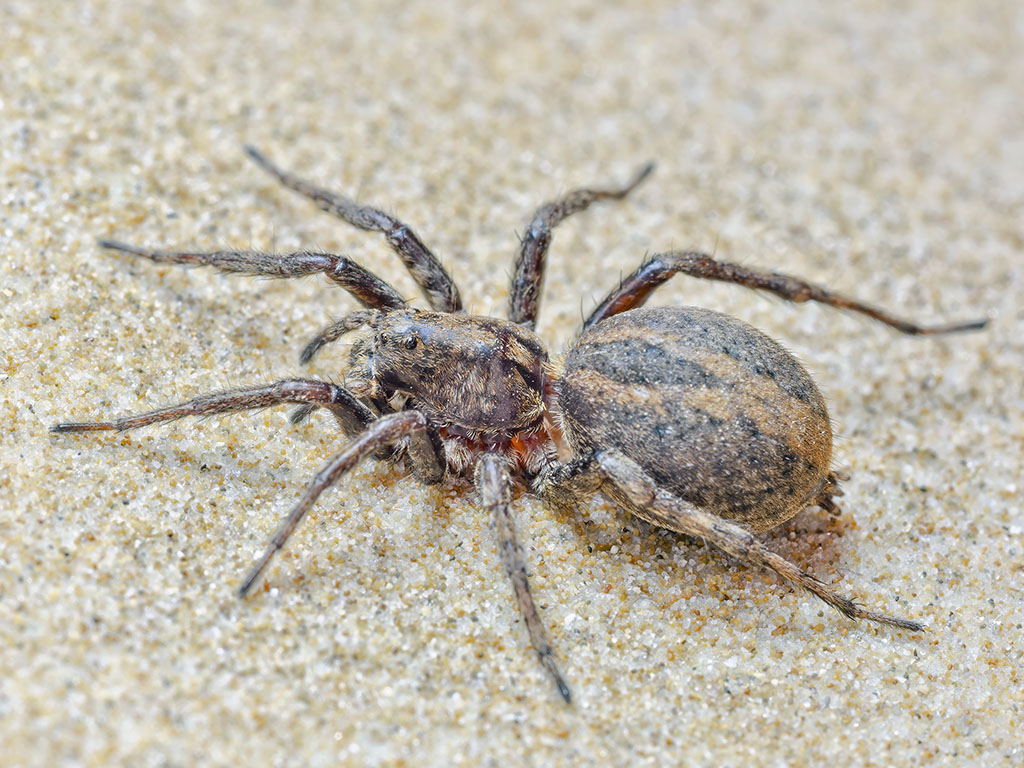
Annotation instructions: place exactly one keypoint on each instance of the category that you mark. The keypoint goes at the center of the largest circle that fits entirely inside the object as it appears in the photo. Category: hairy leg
(637, 287)
(384, 432)
(370, 290)
(333, 332)
(424, 267)
(494, 488)
(352, 415)
(829, 490)
(529, 270)
(626, 482)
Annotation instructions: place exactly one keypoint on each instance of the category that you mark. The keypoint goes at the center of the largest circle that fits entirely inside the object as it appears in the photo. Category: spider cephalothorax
(691, 419)
(475, 373)
(480, 381)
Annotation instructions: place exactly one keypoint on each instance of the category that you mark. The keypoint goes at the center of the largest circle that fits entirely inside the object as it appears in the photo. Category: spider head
(479, 373)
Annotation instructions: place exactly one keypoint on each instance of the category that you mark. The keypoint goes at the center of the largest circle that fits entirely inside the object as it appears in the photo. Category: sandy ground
(876, 149)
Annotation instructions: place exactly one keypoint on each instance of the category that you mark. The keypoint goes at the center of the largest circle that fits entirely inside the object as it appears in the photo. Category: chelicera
(690, 419)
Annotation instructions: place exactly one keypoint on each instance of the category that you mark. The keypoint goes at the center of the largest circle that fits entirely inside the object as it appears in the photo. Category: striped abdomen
(718, 413)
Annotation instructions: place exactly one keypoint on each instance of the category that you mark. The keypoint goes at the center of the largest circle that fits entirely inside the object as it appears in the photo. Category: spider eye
(410, 342)
(383, 337)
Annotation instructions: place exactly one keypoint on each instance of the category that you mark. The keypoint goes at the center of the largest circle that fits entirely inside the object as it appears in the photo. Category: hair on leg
(635, 289)
(494, 488)
(424, 267)
(528, 278)
(370, 290)
(384, 432)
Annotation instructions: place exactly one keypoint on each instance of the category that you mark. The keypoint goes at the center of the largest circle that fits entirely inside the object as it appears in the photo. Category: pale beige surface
(877, 150)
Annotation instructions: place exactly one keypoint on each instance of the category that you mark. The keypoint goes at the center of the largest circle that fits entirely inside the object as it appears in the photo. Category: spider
(690, 419)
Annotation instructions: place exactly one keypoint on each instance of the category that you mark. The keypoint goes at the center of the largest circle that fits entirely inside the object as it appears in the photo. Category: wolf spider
(690, 419)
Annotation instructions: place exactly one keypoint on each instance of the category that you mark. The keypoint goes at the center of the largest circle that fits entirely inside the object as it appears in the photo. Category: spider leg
(494, 489)
(374, 406)
(378, 403)
(386, 431)
(333, 332)
(370, 290)
(627, 483)
(529, 270)
(352, 415)
(637, 287)
(424, 267)
(831, 488)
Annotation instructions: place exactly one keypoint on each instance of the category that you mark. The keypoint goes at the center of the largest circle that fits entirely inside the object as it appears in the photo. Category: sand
(874, 148)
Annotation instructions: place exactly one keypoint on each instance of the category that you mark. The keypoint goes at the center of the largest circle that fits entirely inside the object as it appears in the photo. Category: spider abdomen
(717, 412)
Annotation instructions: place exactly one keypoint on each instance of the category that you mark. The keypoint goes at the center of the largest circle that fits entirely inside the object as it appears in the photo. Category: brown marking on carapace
(478, 373)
